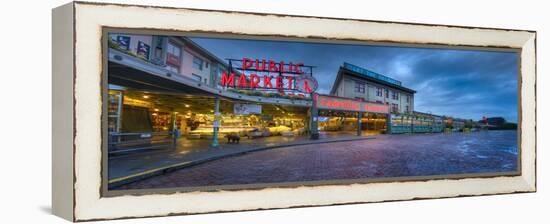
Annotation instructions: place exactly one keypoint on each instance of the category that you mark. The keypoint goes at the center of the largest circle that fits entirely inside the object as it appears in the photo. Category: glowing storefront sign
(269, 75)
(337, 103)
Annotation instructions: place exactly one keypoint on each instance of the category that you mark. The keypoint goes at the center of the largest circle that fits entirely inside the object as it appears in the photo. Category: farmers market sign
(337, 103)
(269, 75)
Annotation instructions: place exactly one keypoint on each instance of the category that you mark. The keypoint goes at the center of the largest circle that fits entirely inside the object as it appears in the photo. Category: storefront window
(114, 110)
(200, 126)
(160, 121)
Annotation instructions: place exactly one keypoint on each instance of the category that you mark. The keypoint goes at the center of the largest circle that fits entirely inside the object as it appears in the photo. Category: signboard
(337, 103)
(269, 75)
(245, 109)
(173, 59)
(123, 42)
(143, 49)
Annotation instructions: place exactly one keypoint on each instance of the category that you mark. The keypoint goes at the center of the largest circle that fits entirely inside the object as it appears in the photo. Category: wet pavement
(190, 150)
(384, 156)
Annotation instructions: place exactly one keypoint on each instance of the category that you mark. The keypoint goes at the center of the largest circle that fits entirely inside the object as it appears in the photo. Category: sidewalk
(128, 168)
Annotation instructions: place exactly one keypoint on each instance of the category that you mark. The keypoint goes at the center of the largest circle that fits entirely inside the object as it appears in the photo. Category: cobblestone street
(384, 156)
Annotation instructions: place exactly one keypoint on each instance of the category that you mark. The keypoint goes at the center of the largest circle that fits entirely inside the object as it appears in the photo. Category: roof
(205, 53)
(202, 50)
(370, 76)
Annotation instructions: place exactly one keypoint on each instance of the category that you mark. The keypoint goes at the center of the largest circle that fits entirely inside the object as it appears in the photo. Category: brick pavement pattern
(385, 156)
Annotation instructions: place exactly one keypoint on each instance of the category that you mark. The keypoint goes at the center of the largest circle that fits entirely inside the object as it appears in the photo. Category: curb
(117, 182)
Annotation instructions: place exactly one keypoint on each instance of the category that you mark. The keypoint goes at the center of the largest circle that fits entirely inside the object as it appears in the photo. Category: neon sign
(269, 75)
(337, 103)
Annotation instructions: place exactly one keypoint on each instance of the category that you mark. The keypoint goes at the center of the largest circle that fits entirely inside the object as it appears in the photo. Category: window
(407, 109)
(173, 57)
(408, 98)
(359, 87)
(205, 81)
(394, 108)
(395, 95)
(387, 93)
(197, 63)
(173, 49)
(172, 68)
(378, 91)
(196, 77)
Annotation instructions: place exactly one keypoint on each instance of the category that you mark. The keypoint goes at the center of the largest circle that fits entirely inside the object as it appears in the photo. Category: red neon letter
(282, 66)
(247, 63)
(254, 80)
(297, 68)
(242, 81)
(289, 79)
(258, 65)
(272, 66)
(279, 82)
(228, 80)
(267, 81)
(307, 88)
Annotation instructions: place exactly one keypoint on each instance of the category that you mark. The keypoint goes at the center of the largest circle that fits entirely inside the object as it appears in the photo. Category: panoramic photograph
(210, 112)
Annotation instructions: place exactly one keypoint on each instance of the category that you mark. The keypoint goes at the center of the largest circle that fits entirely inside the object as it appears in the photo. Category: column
(173, 127)
(314, 118)
(216, 124)
(359, 117)
(388, 123)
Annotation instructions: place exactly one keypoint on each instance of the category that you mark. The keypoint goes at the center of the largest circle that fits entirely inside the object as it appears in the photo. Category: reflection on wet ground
(195, 149)
(384, 156)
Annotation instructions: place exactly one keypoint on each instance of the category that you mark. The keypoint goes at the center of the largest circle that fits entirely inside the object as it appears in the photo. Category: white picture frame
(77, 107)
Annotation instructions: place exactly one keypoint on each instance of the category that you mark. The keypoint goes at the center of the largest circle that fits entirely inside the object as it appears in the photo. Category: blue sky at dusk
(459, 83)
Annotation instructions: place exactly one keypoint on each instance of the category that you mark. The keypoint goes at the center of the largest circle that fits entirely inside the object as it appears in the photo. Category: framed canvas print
(166, 111)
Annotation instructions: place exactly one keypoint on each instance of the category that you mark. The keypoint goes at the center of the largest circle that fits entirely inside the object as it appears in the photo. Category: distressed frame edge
(138, 192)
(62, 197)
(530, 182)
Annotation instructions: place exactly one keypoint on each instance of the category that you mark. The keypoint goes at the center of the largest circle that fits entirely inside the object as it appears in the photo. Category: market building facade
(166, 90)
(162, 90)
(365, 85)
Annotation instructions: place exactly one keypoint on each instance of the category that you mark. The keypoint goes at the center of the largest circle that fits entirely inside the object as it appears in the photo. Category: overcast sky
(459, 83)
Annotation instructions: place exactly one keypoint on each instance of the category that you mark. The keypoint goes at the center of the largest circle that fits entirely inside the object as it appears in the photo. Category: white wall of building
(346, 88)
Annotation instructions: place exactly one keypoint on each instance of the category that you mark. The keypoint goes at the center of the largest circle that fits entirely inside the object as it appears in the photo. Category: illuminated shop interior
(331, 121)
(193, 116)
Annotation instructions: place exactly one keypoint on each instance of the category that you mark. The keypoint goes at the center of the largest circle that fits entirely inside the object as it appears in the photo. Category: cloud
(460, 83)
